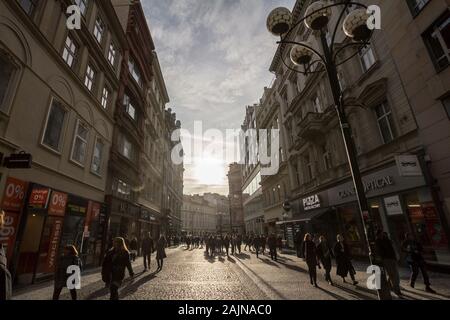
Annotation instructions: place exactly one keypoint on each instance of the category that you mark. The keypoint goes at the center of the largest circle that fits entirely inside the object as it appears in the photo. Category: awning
(306, 217)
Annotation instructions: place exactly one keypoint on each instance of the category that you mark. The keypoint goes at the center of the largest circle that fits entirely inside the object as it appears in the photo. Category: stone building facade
(198, 216)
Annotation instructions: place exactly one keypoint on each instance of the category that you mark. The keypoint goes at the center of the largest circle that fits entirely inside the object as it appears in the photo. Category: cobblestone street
(190, 275)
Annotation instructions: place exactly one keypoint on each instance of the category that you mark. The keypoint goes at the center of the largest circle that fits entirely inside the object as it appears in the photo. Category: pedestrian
(134, 248)
(280, 243)
(5, 275)
(226, 243)
(343, 260)
(161, 252)
(239, 243)
(386, 254)
(272, 243)
(310, 256)
(147, 248)
(325, 255)
(212, 246)
(257, 244)
(117, 259)
(414, 258)
(263, 244)
(69, 258)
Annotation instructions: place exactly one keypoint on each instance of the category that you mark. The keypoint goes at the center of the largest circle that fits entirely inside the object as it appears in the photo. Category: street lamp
(287, 208)
(280, 22)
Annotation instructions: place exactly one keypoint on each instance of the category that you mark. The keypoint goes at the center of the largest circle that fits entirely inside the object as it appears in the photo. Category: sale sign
(14, 195)
(8, 232)
(54, 245)
(39, 198)
(58, 203)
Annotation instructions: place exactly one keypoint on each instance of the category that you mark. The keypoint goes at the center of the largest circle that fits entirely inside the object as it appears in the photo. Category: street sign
(19, 161)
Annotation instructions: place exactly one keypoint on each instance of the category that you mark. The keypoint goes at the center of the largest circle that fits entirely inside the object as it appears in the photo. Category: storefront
(149, 223)
(41, 222)
(123, 219)
(399, 203)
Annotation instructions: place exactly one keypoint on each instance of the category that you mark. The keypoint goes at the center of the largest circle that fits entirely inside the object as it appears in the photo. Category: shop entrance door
(29, 249)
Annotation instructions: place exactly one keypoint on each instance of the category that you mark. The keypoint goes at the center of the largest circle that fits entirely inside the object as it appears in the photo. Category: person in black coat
(257, 245)
(298, 244)
(117, 259)
(134, 246)
(5, 275)
(414, 258)
(161, 252)
(272, 243)
(343, 260)
(147, 248)
(310, 256)
(69, 258)
(226, 243)
(325, 255)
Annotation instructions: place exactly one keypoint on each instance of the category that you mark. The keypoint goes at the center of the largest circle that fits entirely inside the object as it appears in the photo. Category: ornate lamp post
(303, 54)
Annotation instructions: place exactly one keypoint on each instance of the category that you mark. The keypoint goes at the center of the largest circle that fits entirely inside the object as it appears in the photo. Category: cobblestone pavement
(190, 275)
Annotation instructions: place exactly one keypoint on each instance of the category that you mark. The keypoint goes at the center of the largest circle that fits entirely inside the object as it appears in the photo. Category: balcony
(312, 126)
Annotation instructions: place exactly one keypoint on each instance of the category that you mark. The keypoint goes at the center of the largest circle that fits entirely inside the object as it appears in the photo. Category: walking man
(147, 250)
(272, 243)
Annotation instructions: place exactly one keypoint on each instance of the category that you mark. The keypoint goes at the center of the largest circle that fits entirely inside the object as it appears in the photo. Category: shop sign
(8, 232)
(54, 245)
(58, 203)
(15, 191)
(372, 185)
(77, 205)
(408, 166)
(393, 206)
(311, 203)
(39, 198)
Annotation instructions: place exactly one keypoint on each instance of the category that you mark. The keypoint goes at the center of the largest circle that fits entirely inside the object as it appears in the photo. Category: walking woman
(310, 256)
(161, 252)
(325, 254)
(343, 260)
(69, 258)
(117, 259)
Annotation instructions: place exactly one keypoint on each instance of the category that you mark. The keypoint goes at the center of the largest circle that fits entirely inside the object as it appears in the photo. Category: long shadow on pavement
(270, 263)
(426, 296)
(356, 293)
(133, 286)
(332, 294)
(292, 267)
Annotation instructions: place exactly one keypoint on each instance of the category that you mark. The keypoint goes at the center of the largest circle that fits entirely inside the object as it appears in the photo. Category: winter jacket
(5, 277)
(61, 274)
(114, 265)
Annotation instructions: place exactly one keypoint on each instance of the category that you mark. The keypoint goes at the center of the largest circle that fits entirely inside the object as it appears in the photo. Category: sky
(215, 56)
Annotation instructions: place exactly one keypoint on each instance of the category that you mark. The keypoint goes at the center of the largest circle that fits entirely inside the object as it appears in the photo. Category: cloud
(215, 56)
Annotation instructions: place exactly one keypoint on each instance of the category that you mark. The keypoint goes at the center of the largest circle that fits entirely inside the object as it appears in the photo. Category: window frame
(362, 61)
(88, 79)
(132, 71)
(127, 106)
(5, 104)
(99, 29)
(446, 106)
(98, 139)
(86, 141)
(428, 36)
(112, 54)
(416, 9)
(58, 150)
(32, 9)
(74, 54)
(105, 101)
(388, 117)
(86, 6)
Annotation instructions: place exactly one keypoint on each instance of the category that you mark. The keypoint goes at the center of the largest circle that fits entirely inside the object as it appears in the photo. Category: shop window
(80, 142)
(54, 126)
(437, 39)
(385, 122)
(7, 71)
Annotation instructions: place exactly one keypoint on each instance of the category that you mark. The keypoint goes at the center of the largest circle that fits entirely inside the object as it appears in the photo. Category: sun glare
(209, 171)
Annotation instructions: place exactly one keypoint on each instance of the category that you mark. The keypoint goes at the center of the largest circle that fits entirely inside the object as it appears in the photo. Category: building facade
(58, 93)
(394, 149)
(236, 198)
(198, 216)
(222, 209)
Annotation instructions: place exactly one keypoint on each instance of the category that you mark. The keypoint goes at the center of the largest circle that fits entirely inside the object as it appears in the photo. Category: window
(127, 149)
(54, 127)
(367, 58)
(437, 39)
(112, 54)
(90, 77)
(123, 189)
(80, 143)
(105, 97)
(70, 51)
(83, 5)
(29, 6)
(385, 122)
(7, 70)
(446, 103)
(129, 108)
(326, 159)
(309, 168)
(97, 157)
(99, 29)
(134, 71)
(417, 5)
